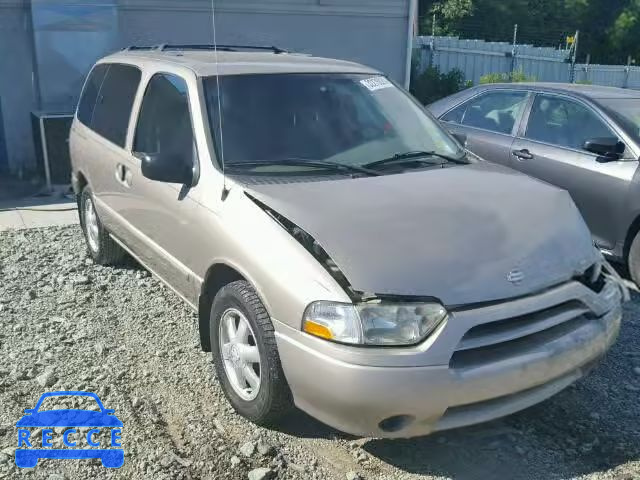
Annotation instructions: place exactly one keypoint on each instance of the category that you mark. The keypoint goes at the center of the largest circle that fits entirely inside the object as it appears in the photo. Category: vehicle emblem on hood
(515, 276)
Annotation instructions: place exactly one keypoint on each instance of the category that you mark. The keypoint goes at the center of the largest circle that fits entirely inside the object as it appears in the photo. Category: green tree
(431, 85)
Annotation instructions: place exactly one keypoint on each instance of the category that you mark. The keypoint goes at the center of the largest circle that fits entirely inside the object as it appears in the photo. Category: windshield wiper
(300, 162)
(416, 155)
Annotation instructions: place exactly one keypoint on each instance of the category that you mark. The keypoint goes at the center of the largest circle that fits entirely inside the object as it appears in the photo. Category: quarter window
(114, 101)
(90, 93)
(495, 111)
(164, 125)
(563, 122)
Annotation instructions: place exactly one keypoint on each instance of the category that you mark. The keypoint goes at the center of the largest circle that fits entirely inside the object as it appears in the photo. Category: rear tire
(100, 246)
(267, 403)
(633, 262)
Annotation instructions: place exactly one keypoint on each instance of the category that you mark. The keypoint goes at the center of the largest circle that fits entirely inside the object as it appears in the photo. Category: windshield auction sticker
(87, 430)
(376, 83)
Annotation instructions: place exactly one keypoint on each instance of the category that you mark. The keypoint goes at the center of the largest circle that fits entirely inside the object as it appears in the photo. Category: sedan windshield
(627, 112)
(273, 123)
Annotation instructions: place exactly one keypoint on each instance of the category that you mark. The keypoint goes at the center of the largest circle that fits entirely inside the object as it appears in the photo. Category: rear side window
(494, 111)
(115, 99)
(90, 93)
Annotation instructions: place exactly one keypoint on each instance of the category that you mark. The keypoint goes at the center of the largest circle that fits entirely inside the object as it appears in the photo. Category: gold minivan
(343, 252)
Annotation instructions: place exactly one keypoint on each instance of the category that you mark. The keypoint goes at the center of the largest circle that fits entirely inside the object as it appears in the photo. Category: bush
(431, 85)
(512, 77)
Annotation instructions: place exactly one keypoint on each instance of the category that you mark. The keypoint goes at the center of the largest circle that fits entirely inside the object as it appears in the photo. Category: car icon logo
(515, 276)
(69, 421)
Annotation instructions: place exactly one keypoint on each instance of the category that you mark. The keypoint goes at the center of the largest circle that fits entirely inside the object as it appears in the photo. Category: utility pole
(514, 50)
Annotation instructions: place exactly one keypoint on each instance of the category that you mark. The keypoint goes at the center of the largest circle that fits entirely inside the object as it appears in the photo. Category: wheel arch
(218, 275)
(632, 231)
(78, 182)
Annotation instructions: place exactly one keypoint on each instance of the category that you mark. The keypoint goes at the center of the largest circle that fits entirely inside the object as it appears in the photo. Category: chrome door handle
(523, 154)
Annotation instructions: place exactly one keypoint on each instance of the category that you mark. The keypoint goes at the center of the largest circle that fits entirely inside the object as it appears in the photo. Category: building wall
(69, 36)
(371, 32)
(16, 89)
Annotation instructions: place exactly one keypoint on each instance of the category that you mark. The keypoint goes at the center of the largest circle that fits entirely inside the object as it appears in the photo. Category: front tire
(101, 247)
(245, 355)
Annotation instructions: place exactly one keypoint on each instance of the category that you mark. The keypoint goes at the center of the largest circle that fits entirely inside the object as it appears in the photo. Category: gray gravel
(66, 324)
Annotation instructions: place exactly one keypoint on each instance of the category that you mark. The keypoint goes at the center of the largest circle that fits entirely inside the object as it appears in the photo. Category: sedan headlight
(373, 324)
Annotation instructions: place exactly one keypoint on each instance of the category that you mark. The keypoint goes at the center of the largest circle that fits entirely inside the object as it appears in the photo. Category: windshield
(345, 119)
(627, 112)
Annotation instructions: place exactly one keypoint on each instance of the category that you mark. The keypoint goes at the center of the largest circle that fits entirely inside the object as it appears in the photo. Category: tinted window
(90, 93)
(342, 118)
(626, 111)
(495, 111)
(164, 124)
(563, 122)
(113, 108)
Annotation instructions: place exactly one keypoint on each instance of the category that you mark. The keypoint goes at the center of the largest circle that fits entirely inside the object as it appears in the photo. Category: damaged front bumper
(483, 363)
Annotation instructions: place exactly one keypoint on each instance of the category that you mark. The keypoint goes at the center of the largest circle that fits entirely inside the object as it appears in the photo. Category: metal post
(514, 50)
(586, 68)
(572, 75)
(627, 70)
(45, 156)
(432, 41)
(411, 22)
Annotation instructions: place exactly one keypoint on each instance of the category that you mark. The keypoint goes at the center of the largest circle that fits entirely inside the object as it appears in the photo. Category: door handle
(523, 154)
(123, 175)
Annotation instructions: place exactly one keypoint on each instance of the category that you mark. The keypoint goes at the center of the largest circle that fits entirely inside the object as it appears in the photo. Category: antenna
(215, 52)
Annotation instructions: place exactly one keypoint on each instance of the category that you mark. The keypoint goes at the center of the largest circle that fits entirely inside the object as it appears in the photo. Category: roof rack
(227, 48)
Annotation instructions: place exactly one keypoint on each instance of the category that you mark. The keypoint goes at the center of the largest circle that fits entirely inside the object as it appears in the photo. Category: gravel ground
(66, 324)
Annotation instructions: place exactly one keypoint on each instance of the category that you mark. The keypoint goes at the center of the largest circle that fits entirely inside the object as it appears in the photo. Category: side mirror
(610, 148)
(460, 137)
(29, 410)
(169, 168)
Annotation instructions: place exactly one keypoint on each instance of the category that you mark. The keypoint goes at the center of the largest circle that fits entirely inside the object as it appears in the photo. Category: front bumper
(482, 364)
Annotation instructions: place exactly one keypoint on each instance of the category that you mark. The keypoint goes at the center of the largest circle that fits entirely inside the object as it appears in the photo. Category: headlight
(373, 324)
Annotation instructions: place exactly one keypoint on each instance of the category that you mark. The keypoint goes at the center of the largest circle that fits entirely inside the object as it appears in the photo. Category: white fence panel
(476, 58)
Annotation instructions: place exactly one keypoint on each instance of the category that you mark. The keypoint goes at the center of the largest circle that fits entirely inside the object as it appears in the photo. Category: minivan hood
(465, 234)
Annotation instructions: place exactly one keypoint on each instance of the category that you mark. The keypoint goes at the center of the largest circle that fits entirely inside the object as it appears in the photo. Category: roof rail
(140, 47)
(228, 48)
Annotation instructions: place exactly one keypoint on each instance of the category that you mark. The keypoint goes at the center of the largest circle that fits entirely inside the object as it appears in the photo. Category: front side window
(90, 93)
(564, 122)
(164, 124)
(626, 111)
(346, 119)
(494, 111)
(115, 99)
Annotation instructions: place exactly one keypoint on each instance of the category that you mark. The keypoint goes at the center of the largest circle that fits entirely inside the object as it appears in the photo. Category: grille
(495, 341)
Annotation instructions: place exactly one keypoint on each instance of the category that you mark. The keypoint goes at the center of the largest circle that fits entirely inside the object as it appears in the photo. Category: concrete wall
(69, 36)
(16, 89)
